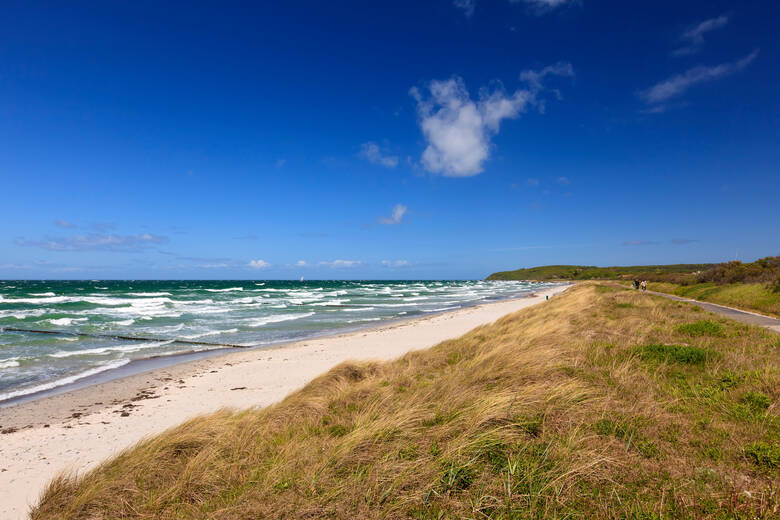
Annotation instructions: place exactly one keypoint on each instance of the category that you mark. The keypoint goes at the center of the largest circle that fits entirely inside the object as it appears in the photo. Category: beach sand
(77, 430)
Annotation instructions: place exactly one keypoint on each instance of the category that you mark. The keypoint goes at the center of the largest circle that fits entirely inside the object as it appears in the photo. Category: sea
(253, 314)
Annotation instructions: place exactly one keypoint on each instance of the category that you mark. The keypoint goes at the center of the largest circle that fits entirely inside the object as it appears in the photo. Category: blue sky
(433, 139)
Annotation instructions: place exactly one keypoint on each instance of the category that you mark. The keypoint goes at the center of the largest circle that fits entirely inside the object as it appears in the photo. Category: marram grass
(582, 407)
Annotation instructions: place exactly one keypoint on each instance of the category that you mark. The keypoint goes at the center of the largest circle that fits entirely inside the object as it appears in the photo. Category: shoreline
(146, 364)
(75, 431)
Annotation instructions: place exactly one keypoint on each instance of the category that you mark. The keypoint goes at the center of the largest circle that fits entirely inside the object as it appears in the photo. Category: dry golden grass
(562, 410)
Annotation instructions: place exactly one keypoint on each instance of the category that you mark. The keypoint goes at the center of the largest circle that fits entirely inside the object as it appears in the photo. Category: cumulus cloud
(678, 84)
(342, 263)
(371, 152)
(301, 263)
(694, 37)
(64, 224)
(96, 242)
(398, 214)
(259, 264)
(458, 130)
(395, 263)
(467, 6)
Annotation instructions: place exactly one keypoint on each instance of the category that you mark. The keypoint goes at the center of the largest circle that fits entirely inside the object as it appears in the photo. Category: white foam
(9, 363)
(364, 319)
(165, 330)
(259, 322)
(124, 323)
(361, 309)
(149, 293)
(20, 315)
(229, 289)
(141, 345)
(439, 310)
(66, 321)
(65, 380)
(328, 303)
(42, 294)
(210, 333)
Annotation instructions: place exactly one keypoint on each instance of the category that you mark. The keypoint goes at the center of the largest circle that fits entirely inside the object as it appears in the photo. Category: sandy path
(75, 431)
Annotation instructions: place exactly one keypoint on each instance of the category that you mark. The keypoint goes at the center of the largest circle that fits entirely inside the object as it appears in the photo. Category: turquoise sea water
(252, 313)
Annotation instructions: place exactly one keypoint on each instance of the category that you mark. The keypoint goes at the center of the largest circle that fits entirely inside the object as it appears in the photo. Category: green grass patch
(338, 430)
(685, 354)
(457, 477)
(628, 433)
(764, 455)
(701, 328)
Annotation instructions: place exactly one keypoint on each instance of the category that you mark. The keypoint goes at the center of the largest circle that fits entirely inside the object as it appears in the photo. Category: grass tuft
(764, 455)
(701, 328)
(674, 354)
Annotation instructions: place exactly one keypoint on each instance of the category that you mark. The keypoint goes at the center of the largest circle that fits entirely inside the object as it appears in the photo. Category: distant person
(636, 284)
(644, 285)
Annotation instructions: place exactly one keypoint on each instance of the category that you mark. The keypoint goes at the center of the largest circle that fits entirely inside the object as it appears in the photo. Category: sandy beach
(77, 430)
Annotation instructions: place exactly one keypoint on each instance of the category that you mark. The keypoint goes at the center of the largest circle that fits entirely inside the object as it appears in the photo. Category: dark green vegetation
(753, 285)
(601, 403)
(589, 272)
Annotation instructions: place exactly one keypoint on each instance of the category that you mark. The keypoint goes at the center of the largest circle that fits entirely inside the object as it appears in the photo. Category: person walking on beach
(644, 285)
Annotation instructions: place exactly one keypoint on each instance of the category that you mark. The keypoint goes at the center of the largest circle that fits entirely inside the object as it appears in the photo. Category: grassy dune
(590, 272)
(602, 403)
(751, 296)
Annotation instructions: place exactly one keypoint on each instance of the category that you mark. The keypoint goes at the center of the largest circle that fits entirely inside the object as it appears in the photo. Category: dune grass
(593, 405)
(751, 296)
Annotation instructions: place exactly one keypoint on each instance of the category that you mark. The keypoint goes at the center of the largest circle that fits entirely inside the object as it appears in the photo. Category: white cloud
(532, 182)
(64, 224)
(371, 152)
(398, 214)
(466, 5)
(458, 130)
(342, 263)
(301, 263)
(679, 83)
(395, 263)
(543, 6)
(563, 181)
(96, 242)
(259, 264)
(695, 35)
